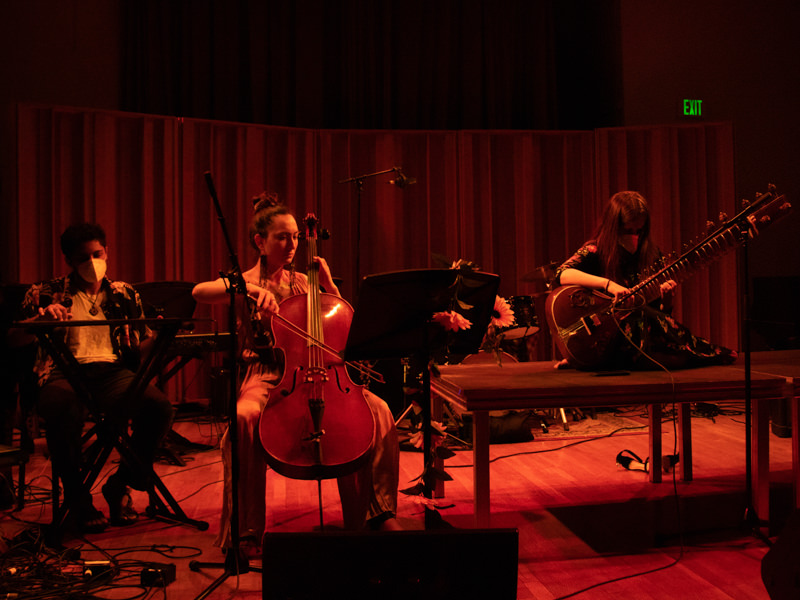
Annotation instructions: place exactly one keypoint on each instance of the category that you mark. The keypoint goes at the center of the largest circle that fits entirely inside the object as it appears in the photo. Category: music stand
(167, 298)
(393, 319)
(170, 299)
(393, 312)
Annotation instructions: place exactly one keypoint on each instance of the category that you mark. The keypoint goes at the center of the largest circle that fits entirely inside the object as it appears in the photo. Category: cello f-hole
(286, 393)
(344, 389)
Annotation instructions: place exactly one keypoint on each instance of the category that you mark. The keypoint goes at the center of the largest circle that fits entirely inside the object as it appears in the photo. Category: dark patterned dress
(654, 334)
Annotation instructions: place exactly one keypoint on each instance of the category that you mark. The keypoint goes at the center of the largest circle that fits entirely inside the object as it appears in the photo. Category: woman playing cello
(369, 496)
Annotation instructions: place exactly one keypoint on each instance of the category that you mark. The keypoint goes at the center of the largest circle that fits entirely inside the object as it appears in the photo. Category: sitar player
(611, 263)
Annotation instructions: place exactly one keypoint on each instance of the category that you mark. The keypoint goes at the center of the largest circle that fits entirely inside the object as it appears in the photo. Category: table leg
(759, 460)
(794, 403)
(654, 428)
(685, 441)
(480, 456)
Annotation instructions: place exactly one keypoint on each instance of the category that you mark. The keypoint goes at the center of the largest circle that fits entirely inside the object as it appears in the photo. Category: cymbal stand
(235, 562)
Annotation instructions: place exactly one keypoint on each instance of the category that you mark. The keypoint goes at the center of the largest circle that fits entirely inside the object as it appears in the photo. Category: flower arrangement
(502, 314)
(430, 474)
(451, 321)
(502, 317)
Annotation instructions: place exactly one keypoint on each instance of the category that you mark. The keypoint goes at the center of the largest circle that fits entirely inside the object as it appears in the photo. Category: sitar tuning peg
(325, 234)
(723, 217)
(710, 225)
(745, 202)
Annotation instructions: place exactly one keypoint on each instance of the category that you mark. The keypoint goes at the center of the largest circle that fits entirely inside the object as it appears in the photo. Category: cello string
(314, 335)
(324, 347)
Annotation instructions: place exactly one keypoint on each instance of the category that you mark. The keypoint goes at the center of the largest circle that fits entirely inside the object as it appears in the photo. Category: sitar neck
(730, 234)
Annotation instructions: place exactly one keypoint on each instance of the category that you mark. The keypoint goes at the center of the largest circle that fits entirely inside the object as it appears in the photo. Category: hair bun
(265, 200)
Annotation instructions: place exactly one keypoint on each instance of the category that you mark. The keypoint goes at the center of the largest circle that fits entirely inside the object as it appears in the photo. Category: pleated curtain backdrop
(510, 201)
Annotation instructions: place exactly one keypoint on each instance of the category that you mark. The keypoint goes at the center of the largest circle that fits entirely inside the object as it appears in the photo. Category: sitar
(586, 324)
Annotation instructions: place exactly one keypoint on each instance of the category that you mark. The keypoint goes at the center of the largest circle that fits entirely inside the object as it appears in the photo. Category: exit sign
(692, 108)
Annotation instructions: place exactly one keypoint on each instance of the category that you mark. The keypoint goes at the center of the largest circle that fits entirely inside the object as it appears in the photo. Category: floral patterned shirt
(121, 301)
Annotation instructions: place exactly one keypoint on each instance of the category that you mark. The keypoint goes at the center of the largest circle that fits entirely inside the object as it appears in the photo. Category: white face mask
(92, 270)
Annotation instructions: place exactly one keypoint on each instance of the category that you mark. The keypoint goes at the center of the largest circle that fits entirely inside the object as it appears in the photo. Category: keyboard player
(106, 360)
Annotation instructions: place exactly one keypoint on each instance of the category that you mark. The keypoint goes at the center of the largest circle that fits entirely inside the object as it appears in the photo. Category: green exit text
(692, 108)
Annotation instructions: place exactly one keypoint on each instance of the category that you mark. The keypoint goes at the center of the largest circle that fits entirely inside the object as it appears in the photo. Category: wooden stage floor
(584, 523)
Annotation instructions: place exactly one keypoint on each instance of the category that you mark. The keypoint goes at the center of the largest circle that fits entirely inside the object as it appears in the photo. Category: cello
(317, 423)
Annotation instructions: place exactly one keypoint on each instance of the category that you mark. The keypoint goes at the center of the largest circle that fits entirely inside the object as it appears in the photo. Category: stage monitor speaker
(435, 564)
(780, 567)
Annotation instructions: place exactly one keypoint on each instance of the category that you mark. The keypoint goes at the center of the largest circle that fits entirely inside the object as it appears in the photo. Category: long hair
(623, 207)
(267, 206)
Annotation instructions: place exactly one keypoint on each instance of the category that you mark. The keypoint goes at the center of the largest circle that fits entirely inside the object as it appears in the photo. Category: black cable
(676, 496)
(33, 571)
(570, 445)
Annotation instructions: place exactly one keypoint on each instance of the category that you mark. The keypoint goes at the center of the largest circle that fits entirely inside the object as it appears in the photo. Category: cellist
(369, 496)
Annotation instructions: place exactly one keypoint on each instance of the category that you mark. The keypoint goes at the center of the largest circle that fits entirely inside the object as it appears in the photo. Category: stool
(9, 457)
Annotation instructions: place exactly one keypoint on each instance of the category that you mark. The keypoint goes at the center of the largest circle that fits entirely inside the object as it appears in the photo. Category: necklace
(93, 309)
(276, 281)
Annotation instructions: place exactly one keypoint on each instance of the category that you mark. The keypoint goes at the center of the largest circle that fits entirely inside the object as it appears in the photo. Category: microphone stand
(235, 563)
(751, 519)
(359, 181)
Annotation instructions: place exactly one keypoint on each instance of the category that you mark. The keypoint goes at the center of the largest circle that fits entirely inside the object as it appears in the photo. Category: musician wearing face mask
(107, 357)
(610, 264)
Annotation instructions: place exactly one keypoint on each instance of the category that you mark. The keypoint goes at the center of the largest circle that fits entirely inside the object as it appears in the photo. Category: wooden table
(786, 364)
(535, 385)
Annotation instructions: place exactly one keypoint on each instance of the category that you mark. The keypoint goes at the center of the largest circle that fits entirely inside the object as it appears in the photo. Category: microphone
(402, 181)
